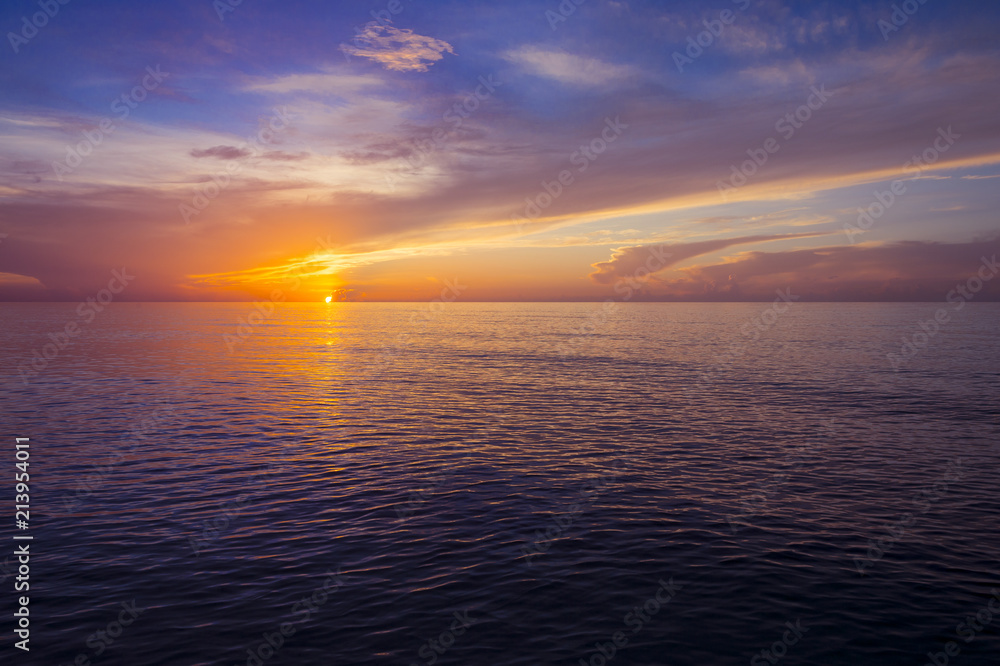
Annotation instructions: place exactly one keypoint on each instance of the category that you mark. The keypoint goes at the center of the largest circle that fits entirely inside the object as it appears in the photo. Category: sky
(498, 151)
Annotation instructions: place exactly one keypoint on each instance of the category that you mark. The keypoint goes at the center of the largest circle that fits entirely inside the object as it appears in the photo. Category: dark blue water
(506, 484)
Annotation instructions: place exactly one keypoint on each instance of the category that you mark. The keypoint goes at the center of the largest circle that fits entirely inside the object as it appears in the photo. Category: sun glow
(329, 299)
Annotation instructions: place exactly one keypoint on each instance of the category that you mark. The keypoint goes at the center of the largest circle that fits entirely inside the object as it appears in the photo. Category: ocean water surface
(690, 484)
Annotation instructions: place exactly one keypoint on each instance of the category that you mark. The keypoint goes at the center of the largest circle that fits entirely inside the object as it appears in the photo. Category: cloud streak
(626, 261)
(569, 69)
(221, 152)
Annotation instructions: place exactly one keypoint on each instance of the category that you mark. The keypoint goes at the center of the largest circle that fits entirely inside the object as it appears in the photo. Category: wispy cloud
(568, 68)
(627, 260)
(221, 152)
(282, 156)
(326, 82)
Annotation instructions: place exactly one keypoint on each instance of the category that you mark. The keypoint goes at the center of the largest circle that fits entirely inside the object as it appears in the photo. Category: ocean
(482, 483)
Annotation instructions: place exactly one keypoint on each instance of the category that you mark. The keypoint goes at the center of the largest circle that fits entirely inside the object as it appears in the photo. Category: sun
(329, 299)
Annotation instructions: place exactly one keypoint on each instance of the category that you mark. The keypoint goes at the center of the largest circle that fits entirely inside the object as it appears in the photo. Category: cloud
(903, 271)
(396, 49)
(15, 281)
(568, 68)
(328, 82)
(627, 261)
(282, 156)
(221, 152)
(379, 151)
(754, 39)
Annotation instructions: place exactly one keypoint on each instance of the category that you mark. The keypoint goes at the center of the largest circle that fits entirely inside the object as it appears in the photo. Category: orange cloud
(396, 49)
